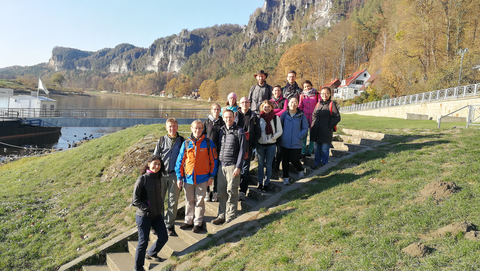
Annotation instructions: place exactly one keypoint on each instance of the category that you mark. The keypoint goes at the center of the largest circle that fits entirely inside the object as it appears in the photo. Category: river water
(70, 135)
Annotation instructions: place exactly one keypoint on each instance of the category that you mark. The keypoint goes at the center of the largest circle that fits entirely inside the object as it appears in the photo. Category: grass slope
(361, 217)
(49, 204)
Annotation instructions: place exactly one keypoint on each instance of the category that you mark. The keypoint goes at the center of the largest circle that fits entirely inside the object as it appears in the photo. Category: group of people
(213, 163)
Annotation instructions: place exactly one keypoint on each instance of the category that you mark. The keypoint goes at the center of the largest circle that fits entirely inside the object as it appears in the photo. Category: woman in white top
(271, 131)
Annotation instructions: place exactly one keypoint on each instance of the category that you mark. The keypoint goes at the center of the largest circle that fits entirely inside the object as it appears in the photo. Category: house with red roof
(351, 87)
(335, 83)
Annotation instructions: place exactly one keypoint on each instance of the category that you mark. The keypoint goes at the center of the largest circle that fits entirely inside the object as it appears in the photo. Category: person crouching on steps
(149, 202)
(231, 153)
(196, 167)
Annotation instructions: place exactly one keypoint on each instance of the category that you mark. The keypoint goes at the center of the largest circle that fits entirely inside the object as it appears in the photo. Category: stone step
(95, 268)
(361, 141)
(339, 153)
(348, 147)
(366, 134)
(121, 262)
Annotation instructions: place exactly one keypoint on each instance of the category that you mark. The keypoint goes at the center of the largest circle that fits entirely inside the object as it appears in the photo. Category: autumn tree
(209, 89)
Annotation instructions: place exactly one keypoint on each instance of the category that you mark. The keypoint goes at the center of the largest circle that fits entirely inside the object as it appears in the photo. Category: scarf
(210, 117)
(309, 93)
(268, 118)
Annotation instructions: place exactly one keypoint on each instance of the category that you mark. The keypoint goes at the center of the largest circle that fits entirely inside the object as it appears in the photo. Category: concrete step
(347, 146)
(366, 134)
(95, 268)
(121, 261)
(173, 246)
(361, 141)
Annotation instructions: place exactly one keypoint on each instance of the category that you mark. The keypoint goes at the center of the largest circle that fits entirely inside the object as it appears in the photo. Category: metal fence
(103, 113)
(432, 96)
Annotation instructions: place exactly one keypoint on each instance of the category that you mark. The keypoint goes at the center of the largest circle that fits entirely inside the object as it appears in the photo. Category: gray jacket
(169, 153)
(257, 95)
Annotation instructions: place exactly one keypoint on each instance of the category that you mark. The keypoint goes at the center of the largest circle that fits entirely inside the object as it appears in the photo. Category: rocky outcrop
(277, 21)
(289, 17)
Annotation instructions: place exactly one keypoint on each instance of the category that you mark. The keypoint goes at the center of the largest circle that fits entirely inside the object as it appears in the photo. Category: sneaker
(171, 231)
(286, 181)
(218, 221)
(241, 196)
(215, 197)
(265, 188)
(260, 187)
(196, 229)
(301, 175)
(185, 226)
(153, 258)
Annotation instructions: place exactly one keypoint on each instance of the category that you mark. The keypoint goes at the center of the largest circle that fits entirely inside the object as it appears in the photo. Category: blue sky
(31, 28)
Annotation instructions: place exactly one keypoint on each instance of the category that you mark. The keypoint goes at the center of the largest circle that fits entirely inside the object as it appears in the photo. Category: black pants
(293, 156)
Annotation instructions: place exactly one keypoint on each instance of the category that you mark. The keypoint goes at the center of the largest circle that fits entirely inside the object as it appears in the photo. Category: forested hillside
(412, 44)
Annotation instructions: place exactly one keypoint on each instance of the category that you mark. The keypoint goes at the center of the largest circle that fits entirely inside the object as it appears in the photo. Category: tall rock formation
(277, 21)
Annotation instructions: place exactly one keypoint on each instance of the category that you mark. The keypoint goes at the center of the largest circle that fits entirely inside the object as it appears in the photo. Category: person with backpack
(231, 153)
(211, 130)
(325, 118)
(196, 168)
(271, 129)
(149, 202)
(248, 120)
(308, 100)
(295, 128)
(167, 148)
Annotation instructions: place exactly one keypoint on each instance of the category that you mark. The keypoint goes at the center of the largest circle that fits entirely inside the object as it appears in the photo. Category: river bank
(183, 103)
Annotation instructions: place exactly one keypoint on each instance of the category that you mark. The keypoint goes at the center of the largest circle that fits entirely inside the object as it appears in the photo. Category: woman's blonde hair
(270, 103)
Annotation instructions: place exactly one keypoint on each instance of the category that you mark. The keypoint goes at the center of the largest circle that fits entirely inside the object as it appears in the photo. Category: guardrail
(103, 113)
(432, 96)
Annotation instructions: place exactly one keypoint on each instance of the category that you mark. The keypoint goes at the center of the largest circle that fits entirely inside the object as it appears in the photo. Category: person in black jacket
(211, 129)
(149, 202)
(248, 120)
(324, 119)
(291, 89)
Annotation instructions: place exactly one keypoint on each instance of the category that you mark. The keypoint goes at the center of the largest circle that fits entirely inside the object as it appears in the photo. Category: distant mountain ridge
(277, 21)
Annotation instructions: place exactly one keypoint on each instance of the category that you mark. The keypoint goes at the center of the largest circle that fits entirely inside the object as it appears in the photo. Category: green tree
(58, 79)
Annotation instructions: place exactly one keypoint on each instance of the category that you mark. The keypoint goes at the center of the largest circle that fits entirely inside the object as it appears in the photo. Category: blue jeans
(143, 225)
(265, 159)
(322, 152)
(306, 150)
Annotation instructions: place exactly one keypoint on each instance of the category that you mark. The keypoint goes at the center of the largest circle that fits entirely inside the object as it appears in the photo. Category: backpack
(330, 106)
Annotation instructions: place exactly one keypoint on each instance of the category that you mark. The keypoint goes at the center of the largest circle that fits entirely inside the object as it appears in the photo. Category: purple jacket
(308, 101)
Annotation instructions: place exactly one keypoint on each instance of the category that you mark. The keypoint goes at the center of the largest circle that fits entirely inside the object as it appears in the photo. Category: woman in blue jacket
(295, 128)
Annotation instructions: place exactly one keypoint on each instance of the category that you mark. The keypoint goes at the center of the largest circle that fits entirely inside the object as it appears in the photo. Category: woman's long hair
(144, 168)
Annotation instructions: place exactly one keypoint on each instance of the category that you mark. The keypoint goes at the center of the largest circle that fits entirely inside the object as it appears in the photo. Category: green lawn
(361, 217)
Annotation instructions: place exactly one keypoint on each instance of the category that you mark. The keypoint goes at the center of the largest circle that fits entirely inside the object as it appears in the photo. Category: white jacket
(277, 132)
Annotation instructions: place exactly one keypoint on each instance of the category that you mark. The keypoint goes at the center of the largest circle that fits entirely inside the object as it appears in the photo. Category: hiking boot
(215, 197)
(260, 187)
(171, 231)
(185, 226)
(196, 229)
(218, 221)
(241, 196)
(265, 188)
(153, 258)
(308, 155)
(286, 181)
